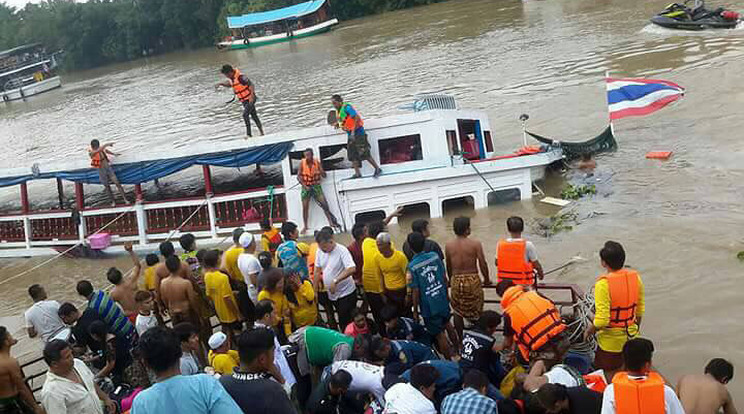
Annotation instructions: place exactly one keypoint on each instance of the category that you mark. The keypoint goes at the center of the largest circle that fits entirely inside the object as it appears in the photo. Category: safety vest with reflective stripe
(347, 122)
(243, 92)
(512, 264)
(639, 395)
(310, 175)
(534, 319)
(623, 288)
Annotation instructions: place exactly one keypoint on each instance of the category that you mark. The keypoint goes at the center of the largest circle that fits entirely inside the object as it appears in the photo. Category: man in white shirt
(249, 265)
(637, 355)
(69, 386)
(416, 397)
(42, 318)
(365, 378)
(558, 374)
(338, 267)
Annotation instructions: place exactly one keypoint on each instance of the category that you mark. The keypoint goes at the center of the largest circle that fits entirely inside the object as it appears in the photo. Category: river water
(680, 220)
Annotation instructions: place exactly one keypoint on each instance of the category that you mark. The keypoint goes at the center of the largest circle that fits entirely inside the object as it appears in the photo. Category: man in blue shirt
(402, 328)
(428, 283)
(448, 382)
(173, 392)
(406, 353)
(357, 149)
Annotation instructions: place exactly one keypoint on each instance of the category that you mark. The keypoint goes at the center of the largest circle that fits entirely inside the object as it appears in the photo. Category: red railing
(163, 220)
(61, 228)
(238, 212)
(124, 226)
(12, 231)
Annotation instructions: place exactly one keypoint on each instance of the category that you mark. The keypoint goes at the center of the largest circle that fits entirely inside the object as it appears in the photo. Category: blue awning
(298, 10)
(144, 171)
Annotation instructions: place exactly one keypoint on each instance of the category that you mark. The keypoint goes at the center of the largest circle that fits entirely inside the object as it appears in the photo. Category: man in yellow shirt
(620, 304)
(230, 258)
(223, 359)
(371, 277)
(221, 294)
(392, 265)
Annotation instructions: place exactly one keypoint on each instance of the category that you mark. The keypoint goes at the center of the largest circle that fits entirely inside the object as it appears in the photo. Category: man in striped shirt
(107, 309)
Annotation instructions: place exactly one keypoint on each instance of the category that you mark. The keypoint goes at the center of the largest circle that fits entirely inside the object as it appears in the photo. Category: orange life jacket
(595, 382)
(95, 158)
(639, 395)
(347, 122)
(274, 240)
(534, 319)
(243, 92)
(310, 175)
(623, 287)
(511, 263)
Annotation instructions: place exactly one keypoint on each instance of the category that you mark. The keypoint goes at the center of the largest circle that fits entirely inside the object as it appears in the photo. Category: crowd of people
(403, 331)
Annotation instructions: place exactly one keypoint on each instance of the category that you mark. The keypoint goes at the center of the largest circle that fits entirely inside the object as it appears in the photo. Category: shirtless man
(15, 397)
(125, 288)
(463, 258)
(161, 271)
(707, 393)
(178, 294)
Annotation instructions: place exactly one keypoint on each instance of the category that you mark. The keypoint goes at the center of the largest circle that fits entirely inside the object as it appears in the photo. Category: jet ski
(679, 16)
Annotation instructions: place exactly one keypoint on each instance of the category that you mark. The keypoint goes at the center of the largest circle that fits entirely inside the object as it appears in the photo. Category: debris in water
(740, 256)
(575, 192)
(562, 221)
(555, 201)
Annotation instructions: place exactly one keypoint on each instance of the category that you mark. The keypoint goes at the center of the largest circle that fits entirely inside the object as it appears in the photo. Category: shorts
(106, 174)
(466, 296)
(313, 191)
(435, 324)
(608, 361)
(357, 148)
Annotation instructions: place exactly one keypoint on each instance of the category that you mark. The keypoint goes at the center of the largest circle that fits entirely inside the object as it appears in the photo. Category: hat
(246, 239)
(217, 340)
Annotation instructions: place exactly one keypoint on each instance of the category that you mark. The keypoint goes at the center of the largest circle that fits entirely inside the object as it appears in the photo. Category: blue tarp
(298, 10)
(144, 171)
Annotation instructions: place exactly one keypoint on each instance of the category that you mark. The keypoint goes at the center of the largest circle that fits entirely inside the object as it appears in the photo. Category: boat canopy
(291, 12)
(139, 172)
(18, 49)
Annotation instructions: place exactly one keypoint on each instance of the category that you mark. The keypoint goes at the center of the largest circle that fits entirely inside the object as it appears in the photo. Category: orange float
(658, 155)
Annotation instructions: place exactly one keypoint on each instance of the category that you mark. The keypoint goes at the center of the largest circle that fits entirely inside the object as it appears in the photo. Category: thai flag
(637, 97)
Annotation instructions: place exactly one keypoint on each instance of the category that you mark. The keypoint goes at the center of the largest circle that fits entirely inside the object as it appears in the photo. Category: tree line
(99, 32)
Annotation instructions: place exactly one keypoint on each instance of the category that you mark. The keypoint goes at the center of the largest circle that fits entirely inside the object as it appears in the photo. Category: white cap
(217, 339)
(246, 239)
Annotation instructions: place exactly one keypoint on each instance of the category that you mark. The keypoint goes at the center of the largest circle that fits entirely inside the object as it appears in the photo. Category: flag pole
(612, 126)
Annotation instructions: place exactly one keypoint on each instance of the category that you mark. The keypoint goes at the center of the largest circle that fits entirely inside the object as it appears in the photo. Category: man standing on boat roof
(99, 159)
(245, 92)
(309, 175)
(357, 149)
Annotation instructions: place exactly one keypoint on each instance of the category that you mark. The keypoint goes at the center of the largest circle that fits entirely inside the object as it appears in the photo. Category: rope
(177, 229)
(50, 260)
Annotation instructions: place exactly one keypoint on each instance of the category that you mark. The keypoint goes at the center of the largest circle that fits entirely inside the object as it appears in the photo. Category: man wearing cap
(221, 357)
(249, 265)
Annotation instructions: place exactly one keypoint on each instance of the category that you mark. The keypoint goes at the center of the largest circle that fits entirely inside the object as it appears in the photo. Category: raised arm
(137, 269)
(398, 211)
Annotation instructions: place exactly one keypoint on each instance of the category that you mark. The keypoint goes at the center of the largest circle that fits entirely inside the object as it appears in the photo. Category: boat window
(294, 161)
(489, 141)
(369, 216)
(452, 142)
(504, 196)
(400, 149)
(469, 139)
(334, 157)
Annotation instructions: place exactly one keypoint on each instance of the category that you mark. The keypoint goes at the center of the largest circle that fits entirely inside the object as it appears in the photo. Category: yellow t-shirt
(148, 281)
(281, 306)
(305, 312)
(231, 263)
(371, 278)
(218, 290)
(224, 364)
(613, 339)
(393, 269)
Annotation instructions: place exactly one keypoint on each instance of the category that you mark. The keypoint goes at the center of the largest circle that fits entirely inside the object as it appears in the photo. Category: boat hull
(280, 37)
(31, 90)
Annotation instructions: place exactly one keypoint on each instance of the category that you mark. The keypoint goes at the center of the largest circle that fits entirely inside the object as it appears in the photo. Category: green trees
(98, 32)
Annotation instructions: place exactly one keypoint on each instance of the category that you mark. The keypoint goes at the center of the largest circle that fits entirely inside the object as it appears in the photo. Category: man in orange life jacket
(532, 322)
(246, 94)
(99, 159)
(639, 390)
(516, 258)
(309, 175)
(357, 148)
(620, 305)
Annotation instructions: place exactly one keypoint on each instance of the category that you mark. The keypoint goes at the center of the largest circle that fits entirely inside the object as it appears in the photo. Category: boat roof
(18, 49)
(25, 67)
(291, 12)
(135, 167)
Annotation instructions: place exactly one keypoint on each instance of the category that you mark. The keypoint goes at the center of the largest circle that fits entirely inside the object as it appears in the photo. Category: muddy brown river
(680, 220)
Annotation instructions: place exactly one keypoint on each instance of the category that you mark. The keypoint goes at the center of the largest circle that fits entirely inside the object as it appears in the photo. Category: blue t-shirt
(406, 328)
(450, 377)
(108, 311)
(410, 353)
(427, 271)
(291, 258)
(351, 112)
(192, 394)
